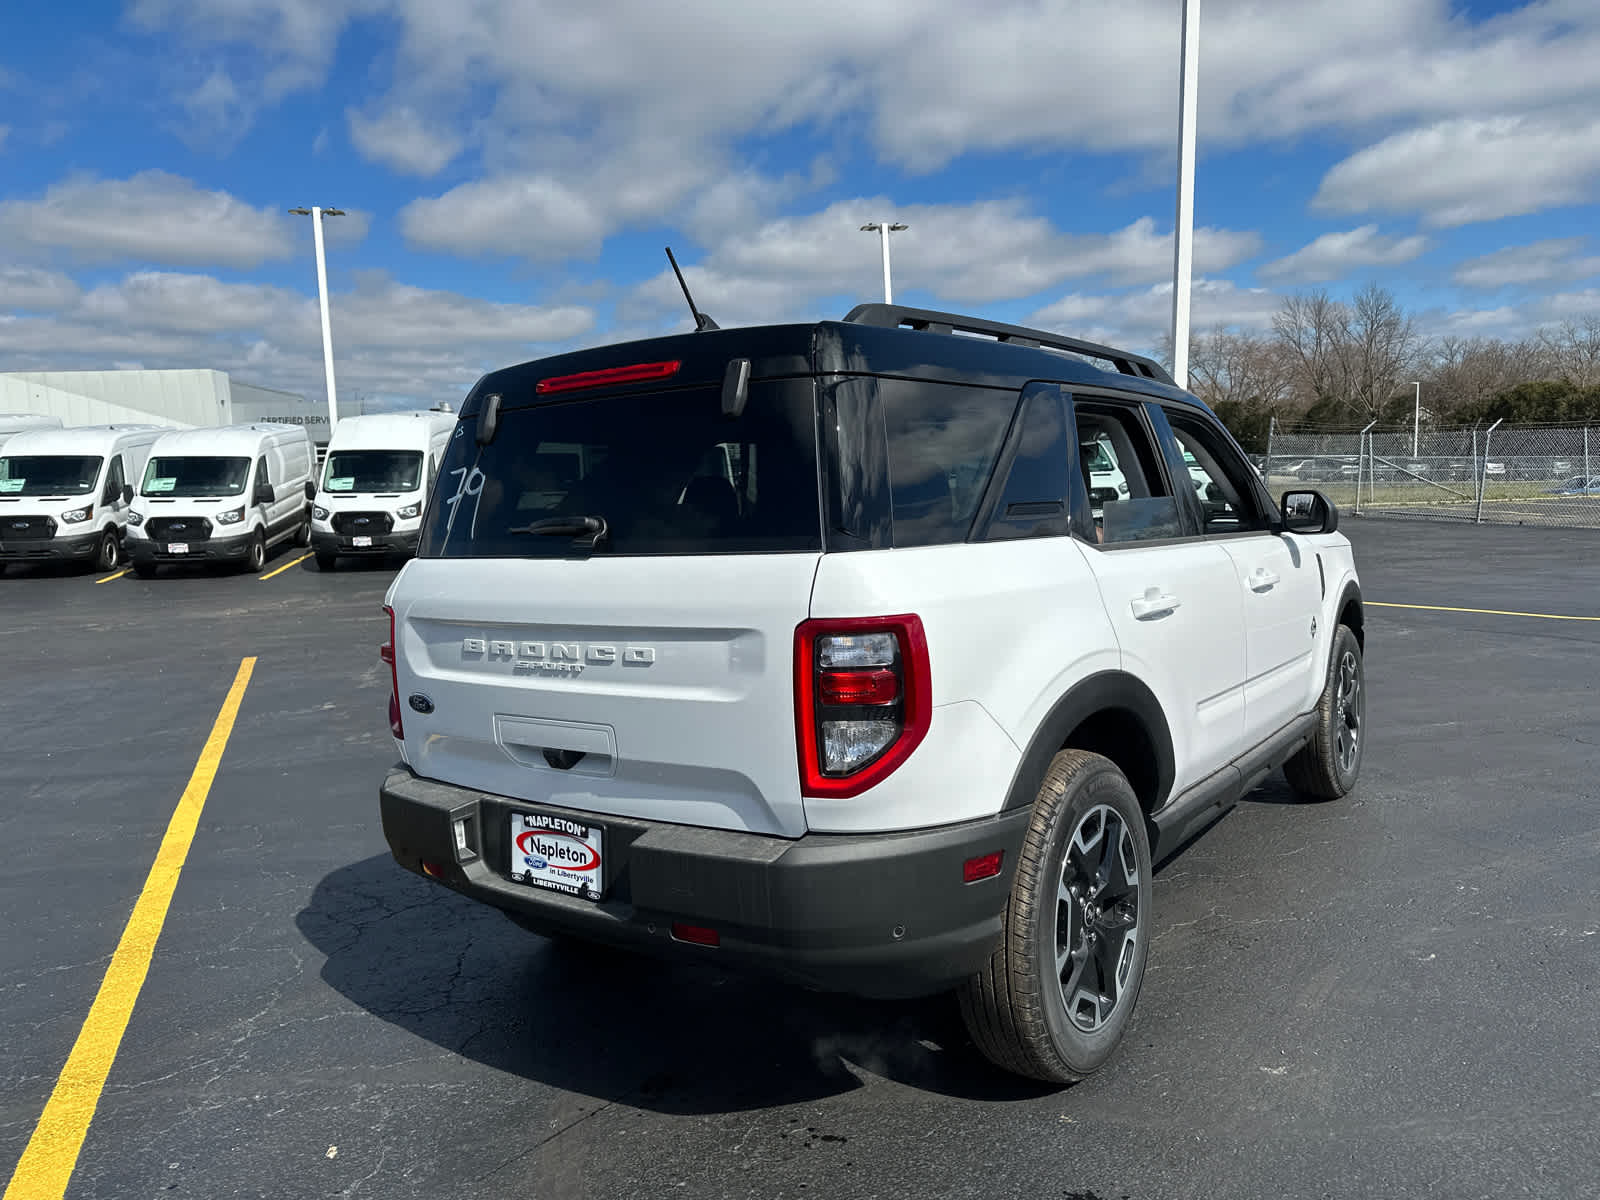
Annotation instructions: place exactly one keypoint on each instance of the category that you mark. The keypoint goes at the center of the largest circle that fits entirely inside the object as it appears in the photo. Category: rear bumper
(231, 549)
(56, 549)
(882, 915)
(382, 543)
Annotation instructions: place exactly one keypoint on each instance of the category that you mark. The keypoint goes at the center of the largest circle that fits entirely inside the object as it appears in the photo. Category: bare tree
(1573, 351)
(1381, 349)
(1313, 329)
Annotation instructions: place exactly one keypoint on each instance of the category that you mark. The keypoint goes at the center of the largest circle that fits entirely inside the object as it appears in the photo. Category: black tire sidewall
(106, 553)
(257, 558)
(1345, 641)
(1085, 1052)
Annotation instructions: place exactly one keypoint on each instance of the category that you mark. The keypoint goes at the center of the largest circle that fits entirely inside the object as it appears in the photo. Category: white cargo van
(222, 497)
(63, 492)
(375, 484)
(12, 424)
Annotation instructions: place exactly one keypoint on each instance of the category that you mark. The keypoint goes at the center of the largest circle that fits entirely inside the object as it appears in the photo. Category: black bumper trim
(55, 549)
(880, 915)
(382, 543)
(143, 550)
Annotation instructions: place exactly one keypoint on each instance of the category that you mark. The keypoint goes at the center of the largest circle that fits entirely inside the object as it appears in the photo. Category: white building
(182, 398)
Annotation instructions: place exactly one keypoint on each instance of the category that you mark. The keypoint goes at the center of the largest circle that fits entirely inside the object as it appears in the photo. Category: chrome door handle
(1154, 603)
(1263, 580)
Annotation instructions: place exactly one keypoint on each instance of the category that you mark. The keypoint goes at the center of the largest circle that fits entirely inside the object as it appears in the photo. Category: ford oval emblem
(420, 703)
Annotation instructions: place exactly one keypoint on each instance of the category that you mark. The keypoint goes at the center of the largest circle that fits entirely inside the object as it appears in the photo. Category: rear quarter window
(943, 441)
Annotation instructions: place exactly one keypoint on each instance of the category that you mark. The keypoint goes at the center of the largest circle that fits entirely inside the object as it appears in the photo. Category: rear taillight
(386, 652)
(863, 700)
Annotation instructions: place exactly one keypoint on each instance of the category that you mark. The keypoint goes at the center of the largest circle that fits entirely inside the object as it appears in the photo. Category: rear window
(666, 472)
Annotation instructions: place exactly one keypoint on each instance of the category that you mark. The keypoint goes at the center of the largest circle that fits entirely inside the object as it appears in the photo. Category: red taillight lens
(386, 653)
(881, 686)
(863, 700)
(634, 373)
(697, 935)
(985, 866)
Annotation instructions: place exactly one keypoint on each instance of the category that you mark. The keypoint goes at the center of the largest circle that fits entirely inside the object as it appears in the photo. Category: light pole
(316, 215)
(1183, 227)
(1416, 416)
(884, 228)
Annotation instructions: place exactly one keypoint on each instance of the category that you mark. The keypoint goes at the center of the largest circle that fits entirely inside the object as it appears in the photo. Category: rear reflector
(985, 866)
(432, 869)
(858, 687)
(695, 935)
(609, 376)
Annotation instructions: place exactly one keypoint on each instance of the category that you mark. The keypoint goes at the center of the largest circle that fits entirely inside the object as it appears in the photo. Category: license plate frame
(361, 541)
(569, 857)
(177, 547)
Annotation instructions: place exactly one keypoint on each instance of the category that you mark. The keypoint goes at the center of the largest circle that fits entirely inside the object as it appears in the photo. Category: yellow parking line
(118, 575)
(286, 566)
(1488, 612)
(52, 1152)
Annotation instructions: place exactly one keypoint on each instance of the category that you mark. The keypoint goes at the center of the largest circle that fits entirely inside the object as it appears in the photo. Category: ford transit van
(375, 484)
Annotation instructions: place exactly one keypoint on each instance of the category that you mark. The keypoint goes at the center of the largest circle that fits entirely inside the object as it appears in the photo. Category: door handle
(1154, 603)
(1263, 580)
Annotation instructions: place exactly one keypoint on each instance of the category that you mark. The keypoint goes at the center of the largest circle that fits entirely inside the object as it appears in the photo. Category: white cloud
(217, 115)
(1511, 321)
(1554, 260)
(387, 336)
(961, 254)
(29, 289)
(1473, 169)
(150, 217)
(403, 140)
(1334, 255)
(1143, 318)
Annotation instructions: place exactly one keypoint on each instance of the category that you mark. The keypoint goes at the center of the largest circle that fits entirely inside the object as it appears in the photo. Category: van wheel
(326, 561)
(145, 570)
(1330, 762)
(303, 537)
(105, 556)
(256, 558)
(1059, 990)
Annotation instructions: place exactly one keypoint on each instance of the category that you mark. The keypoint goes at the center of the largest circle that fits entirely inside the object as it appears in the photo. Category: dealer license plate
(361, 541)
(552, 852)
(177, 547)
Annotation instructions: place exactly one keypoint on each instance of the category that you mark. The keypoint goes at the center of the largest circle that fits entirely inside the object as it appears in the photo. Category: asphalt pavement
(1389, 995)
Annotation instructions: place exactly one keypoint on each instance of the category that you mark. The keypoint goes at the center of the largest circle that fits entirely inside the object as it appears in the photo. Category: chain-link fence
(1509, 475)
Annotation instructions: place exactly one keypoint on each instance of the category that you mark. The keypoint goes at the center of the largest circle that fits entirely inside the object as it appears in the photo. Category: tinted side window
(1033, 500)
(1220, 478)
(1129, 499)
(943, 441)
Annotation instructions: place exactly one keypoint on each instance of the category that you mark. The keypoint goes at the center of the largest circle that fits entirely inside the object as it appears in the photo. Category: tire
(145, 570)
(302, 538)
(326, 561)
(1079, 918)
(107, 552)
(1327, 767)
(257, 556)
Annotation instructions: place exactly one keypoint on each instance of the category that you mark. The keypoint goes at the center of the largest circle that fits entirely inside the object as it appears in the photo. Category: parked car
(1578, 485)
(816, 668)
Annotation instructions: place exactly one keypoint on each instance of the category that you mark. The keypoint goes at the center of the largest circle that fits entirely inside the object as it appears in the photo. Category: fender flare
(1101, 692)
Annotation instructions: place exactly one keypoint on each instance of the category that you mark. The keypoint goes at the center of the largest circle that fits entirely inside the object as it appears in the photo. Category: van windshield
(667, 474)
(49, 474)
(195, 475)
(373, 471)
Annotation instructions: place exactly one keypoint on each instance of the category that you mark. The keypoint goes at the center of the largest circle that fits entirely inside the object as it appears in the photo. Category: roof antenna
(701, 321)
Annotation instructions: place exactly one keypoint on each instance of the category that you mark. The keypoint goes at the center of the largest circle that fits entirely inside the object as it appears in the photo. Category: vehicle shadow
(670, 1037)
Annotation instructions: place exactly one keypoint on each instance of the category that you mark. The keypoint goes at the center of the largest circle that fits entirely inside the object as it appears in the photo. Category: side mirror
(265, 494)
(311, 490)
(127, 493)
(1308, 512)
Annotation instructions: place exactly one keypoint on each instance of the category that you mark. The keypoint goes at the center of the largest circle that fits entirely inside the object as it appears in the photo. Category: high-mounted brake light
(863, 700)
(386, 653)
(634, 373)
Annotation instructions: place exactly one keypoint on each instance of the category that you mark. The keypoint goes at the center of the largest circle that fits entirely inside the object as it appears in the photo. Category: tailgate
(601, 685)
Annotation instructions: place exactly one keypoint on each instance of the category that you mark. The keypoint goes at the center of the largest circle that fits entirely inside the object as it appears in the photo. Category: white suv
(817, 658)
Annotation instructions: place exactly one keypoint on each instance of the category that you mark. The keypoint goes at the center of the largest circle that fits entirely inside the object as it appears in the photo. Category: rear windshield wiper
(586, 530)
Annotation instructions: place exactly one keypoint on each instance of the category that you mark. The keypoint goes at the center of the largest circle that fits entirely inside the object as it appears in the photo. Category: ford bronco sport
(803, 648)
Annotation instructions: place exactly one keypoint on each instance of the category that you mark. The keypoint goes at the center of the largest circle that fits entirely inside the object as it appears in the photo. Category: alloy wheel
(1098, 923)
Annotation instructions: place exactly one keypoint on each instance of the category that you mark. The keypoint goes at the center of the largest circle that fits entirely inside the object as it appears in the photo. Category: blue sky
(512, 169)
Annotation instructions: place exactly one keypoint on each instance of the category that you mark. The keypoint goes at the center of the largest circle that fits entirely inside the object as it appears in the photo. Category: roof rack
(894, 316)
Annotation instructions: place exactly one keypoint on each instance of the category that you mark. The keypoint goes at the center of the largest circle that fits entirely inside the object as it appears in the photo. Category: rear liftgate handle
(1154, 603)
